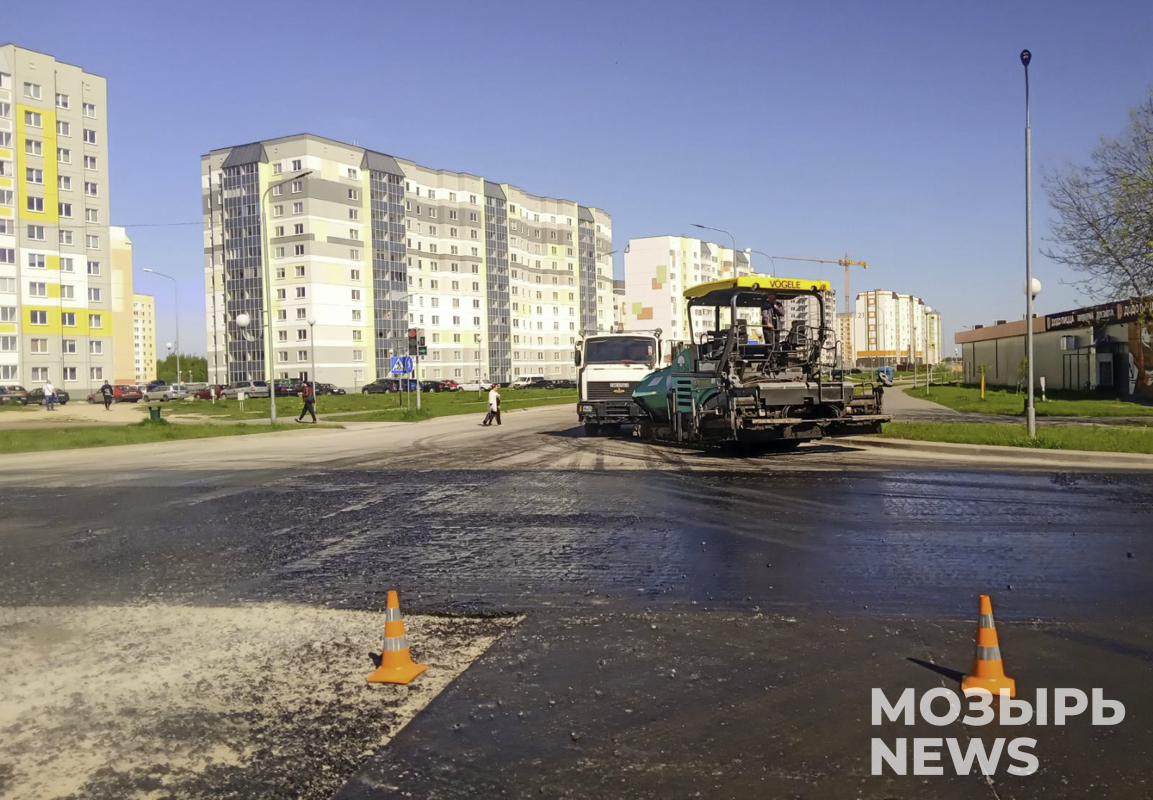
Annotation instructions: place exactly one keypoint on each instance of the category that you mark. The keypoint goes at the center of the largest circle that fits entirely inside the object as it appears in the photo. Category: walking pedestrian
(309, 398)
(49, 396)
(108, 394)
(493, 406)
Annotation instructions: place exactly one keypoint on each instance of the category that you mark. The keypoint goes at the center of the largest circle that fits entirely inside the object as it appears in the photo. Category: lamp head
(243, 320)
(1026, 57)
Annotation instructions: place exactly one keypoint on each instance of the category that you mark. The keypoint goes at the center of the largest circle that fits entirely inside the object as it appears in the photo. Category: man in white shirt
(493, 406)
(49, 396)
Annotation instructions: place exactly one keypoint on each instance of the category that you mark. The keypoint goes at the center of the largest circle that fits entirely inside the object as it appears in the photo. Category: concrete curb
(1058, 459)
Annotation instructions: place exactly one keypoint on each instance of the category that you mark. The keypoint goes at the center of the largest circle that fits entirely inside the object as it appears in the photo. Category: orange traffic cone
(396, 665)
(988, 673)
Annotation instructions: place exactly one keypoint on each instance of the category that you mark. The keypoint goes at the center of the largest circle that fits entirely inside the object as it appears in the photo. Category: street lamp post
(721, 230)
(266, 257)
(750, 251)
(169, 346)
(312, 340)
(1030, 416)
(176, 313)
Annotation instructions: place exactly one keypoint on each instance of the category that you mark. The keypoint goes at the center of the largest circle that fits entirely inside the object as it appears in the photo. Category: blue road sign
(400, 365)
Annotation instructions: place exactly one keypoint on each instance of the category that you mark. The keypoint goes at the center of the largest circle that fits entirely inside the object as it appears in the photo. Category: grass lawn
(376, 407)
(24, 441)
(1108, 438)
(1005, 401)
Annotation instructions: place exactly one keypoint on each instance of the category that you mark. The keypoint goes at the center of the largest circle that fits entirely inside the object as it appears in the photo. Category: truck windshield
(621, 350)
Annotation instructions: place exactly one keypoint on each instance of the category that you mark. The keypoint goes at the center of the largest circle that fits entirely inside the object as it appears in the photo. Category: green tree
(1104, 228)
(194, 369)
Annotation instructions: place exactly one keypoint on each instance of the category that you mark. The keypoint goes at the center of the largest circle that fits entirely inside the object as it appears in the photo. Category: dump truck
(611, 365)
(752, 379)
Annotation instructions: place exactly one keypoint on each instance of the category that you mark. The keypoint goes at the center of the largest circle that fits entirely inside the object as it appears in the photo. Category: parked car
(328, 388)
(154, 384)
(387, 385)
(165, 392)
(195, 388)
(530, 382)
(121, 393)
(476, 386)
(36, 397)
(289, 388)
(9, 399)
(18, 393)
(439, 386)
(250, 389)
(562, 383)
(206, 393)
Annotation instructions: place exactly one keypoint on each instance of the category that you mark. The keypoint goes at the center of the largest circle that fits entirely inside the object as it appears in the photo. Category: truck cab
(610, 366)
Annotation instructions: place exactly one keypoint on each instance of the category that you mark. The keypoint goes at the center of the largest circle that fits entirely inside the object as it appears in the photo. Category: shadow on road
(951, 674)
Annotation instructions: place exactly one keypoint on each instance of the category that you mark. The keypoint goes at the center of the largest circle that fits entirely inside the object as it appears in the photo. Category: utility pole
(1030, 416)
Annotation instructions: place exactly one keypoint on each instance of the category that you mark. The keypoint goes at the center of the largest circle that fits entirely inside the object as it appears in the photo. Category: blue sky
(893, 130)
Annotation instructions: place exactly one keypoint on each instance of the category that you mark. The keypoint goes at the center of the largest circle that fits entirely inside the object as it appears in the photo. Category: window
(301, 355)
(68, 292)
(64, 183)
(356, 294)
(279, 230)
(89, 136)
(65, 210)
(35, 204)
(90, 110)
(39, 346)
(8, 344)
(63, 155)
(67, 265)
(90, 162)
(297, 187)
(298, 208)
(38, 289)
(355, 274)
(40, 374)
(68, 346)
(282, 314)
(93, 267)
(61, 100)
(356, 336)
(8, 285)
(68, 319)
(36, 232)
(91, 215)
(356, 314)
(278, 252)
(91, 189)
(5, 80)
(33, 147)
(7, 171)
(358, 355)
(92, 242)
(280, 272)
(354, 194)
(97, 373)
(353, 213)
(33, 120)
(302, 334)
(298, 250)
(300, 292)
(281, 355)
(297, 164)
(352, 173)
(298, 228)
(34, 175)
(94, 295)
(301, 313)
(282, 336)
(39, 317)
(96, 348)
(7, 313)
(63, 129)
(300, 270)
(95, 321)
(32, 90)
(278, 211)
(278, 190)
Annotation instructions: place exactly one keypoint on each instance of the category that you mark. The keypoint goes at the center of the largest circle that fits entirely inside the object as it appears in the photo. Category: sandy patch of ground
(161, 701)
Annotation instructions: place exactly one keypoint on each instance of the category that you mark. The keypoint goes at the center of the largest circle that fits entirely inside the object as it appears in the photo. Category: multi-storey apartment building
(143, 338)
(893, 328)
(55, 270)
(364, 246)
(658, 269)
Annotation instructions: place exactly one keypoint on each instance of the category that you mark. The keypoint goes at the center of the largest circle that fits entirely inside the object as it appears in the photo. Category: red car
(120, 394)
(206, 393)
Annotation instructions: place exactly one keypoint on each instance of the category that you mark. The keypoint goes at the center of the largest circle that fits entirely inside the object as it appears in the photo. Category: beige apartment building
(364, 246)
(143, 338)
(55, 252)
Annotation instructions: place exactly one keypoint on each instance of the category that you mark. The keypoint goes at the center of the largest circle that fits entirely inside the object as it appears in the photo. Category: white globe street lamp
(1036, 285)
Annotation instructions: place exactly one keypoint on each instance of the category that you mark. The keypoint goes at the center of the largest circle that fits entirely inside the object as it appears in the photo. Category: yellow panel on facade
(47, 136)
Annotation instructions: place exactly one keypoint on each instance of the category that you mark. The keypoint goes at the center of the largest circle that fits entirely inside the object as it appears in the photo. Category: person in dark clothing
(309, 397)
(772, 313)
(109, 394)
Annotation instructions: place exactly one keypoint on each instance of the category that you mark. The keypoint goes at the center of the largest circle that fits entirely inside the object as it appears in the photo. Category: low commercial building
(1107, 347)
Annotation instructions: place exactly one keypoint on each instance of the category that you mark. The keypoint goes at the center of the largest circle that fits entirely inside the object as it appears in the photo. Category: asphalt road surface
(696, 624)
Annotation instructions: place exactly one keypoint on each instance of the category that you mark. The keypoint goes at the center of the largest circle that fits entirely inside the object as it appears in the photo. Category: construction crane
(844, 262)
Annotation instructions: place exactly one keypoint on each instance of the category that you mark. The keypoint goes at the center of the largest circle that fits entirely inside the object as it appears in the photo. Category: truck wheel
(592, 429)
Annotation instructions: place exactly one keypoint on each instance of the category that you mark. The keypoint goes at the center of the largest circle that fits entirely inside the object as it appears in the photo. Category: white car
(163, 393)
(475, 386)
(250, 389)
